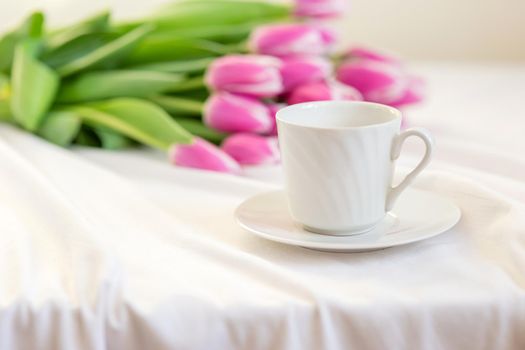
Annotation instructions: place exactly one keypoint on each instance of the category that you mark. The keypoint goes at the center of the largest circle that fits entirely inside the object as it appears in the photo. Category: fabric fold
(106, 250)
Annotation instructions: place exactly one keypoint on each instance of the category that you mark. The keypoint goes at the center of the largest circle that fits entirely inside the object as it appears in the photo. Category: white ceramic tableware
(338, 159)
(417, 215)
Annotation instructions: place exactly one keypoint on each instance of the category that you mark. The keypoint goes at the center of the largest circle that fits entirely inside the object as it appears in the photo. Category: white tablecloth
(120, 250)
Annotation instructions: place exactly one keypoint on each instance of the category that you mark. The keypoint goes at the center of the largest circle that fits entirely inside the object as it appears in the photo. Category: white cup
(338, 159)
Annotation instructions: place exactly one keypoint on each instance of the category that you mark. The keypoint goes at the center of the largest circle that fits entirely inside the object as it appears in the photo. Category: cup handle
(424, 135)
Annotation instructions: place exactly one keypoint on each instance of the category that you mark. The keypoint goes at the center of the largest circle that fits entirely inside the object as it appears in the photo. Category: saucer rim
(345, 244)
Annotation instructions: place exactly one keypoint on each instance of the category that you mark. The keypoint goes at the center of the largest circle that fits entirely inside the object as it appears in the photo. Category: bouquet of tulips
(200, 79)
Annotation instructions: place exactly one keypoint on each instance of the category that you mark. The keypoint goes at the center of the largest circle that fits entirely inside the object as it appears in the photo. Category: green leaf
(5, 111)
(177, 105)
(198, 129)
(97, 23)
(5, 94)
(138, 119)
(4, 82)
(229, 33)
(193, 13)
(110, 139)
(34, 86)
(191, 84)
(196, 13)
(172, 49)
(76, 48)
(189, 66)
(199, 94)
(32, 27)
(5, 87)
(60, 127)
(87, 137)
(118, 83)
(113, 50)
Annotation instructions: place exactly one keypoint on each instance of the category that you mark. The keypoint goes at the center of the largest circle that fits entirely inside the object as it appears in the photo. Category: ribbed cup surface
(337, 179)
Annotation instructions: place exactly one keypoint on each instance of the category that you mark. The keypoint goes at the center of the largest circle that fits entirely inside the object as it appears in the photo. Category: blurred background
(466, 30)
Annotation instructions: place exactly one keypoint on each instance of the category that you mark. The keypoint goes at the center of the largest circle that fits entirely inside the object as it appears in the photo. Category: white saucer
(417, 215)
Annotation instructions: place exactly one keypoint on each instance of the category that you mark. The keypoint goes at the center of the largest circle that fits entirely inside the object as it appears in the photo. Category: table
(120, 250)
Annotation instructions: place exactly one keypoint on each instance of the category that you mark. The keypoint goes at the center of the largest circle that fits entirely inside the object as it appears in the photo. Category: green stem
(112, 49)
(186, 66)
(137, 119)
(190, 84)
(178, 105)
(198, 129)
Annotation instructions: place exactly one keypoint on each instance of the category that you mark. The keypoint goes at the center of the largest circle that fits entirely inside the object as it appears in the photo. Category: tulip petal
(319, 8)
(250, 149)
(377, 81)
(322, 91)
(413, 94)
(363, 53)
(253, 75)
(344, 92)
(233, 113)
(274, 108)
(291, 39)
(310, 92)
(201, 154)
(328, 35)
(302, 70)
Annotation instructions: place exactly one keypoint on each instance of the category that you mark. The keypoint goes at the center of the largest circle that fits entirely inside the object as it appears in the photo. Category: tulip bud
(377, 81)
(297, 71)
(319, 8)
(274, 108)
(328, 35)
(291, 39)
(253, 75)
(201, 154)
(234, 113)
(322, 91)
(250, 149)
(363, 53)
(414, 93)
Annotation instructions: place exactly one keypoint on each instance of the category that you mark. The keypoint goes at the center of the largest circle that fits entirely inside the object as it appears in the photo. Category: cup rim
(316, 104)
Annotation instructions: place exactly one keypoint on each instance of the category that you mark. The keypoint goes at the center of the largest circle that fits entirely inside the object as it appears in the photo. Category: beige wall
(481, 30)
(441, 29)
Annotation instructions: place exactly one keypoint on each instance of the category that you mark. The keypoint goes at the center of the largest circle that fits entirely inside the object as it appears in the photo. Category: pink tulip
(250, 149)
(291, 39)
(328, 35)
(322, 91)
(201, 154)
(274, 107)
(414, 93)
(297, 71)
(253, 75)
(377, 81)
(234, 113)
(319, 8)
(363, 53)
